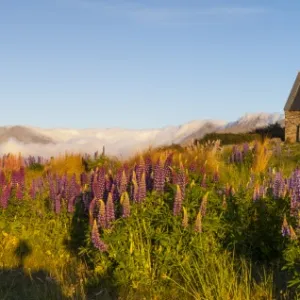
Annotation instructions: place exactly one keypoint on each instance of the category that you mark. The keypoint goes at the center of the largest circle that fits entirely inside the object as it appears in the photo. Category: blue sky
(144, 64)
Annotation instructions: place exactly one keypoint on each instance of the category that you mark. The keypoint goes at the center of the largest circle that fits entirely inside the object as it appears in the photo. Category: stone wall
(292, 120)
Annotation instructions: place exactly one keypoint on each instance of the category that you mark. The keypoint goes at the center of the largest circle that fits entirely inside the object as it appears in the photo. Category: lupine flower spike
(198, 223)
(125, 205)
(178, 201)
(97, 242)
(102, 214)
(185, 219)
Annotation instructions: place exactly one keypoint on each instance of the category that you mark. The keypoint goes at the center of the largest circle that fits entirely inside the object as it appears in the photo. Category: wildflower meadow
(208, 221)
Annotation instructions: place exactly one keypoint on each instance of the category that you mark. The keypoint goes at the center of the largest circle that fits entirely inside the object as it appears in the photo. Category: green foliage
(271, 131)
(253, 228)
(36, 167)
(238, 254)
(229, 138)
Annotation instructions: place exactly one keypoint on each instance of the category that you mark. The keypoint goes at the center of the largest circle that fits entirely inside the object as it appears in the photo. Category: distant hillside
(23, 134)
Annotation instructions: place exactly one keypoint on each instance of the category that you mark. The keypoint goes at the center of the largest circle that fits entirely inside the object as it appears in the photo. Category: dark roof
(293, 101)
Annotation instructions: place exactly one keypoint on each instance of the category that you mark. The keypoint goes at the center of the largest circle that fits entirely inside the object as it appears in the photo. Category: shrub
(229, 138)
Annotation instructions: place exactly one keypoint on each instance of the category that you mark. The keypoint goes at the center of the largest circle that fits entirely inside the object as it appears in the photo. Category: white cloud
(121, 142)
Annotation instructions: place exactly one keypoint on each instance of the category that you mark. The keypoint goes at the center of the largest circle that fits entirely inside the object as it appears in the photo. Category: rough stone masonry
(292, 113)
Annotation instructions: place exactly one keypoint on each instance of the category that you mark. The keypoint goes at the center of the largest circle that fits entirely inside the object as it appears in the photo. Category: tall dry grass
(262, 156)
(66, 164)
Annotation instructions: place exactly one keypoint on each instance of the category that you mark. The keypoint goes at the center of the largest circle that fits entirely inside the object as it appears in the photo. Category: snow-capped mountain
(117, 141)
(251, 121)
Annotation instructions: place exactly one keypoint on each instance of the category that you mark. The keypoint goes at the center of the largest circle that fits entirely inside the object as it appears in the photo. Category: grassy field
(209, 222)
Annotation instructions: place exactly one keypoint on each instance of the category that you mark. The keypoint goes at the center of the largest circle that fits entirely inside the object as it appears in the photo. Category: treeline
(271, 131)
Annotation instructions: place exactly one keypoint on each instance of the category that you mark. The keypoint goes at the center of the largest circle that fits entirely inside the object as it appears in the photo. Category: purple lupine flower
(101, 180)
(14, 178)
(63, 187)
(52, 191)
(135, 191)
(142, 189)
(167, 167)
(177, 201)
(203, 181)
(73, 186)
(22, 177)
(246, 149)
(5, 195)
(40, 185)
(32, 190)
(256, 194)
(98, 184)
(140, 169)
(216, 176)
(102, 214)
(95, 188)
(148, 165)
(123, 183)
(73, 191)
(278, 185)
(236, 155)
(202, 170)
(193, 167)
(159, 176)
(148, 171)
(295, 192)
(19, 193)
(204, 205)
(57, 203)
(181, 180)
(59, 184)
(118, 177)
(96, 240)
(262, 191)
(125, 205)
(108, 182)
(71, 203)
(114, 192)
(2, 179)
(110, 210)
(84, 179)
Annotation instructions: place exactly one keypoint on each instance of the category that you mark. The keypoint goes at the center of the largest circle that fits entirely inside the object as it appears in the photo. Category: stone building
(292, 113)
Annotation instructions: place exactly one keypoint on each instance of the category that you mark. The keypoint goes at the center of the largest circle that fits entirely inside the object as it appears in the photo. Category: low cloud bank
(121, 142)
(47, 150)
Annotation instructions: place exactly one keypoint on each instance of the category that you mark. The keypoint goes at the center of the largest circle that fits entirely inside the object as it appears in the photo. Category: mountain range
(117, 141)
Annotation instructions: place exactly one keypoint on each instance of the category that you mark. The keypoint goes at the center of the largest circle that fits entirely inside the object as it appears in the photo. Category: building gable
(293, 101)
